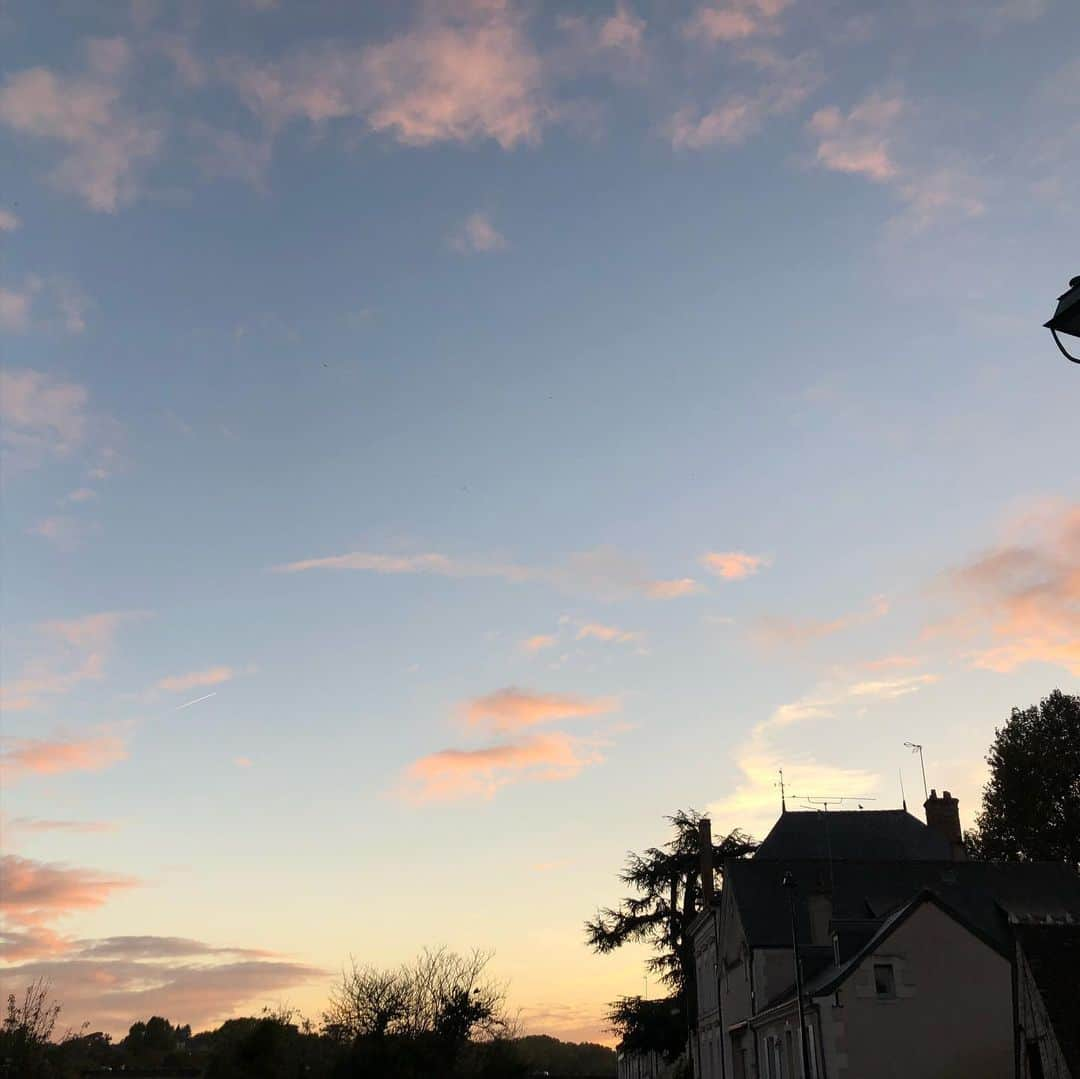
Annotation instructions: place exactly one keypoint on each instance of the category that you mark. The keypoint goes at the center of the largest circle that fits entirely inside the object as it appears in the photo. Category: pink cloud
(538, 642)
(454, 774)
(783, 84)
(1020, 601)
(106, 144)
(858, 142)
(41, 415)
(76, 651)
(45, 757)
(93, 632)
(778, 631)
(9, 221)
(109, 982)
(675, 589)
(214, 676)
(514, 709)
(38, 824)
(603, 571)
(735, 20)
(477, 236)
(598, 631)
(35, 893)
(733, 565)
(15, 309)
(464, 71)
(619, 36)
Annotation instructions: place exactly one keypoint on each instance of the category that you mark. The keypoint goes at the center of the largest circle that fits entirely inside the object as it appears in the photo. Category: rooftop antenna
(916, 748)
(783, 805)
(903, 797)
(823, 801)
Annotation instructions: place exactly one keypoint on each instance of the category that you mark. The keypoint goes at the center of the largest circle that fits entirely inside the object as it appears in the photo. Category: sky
(443, 438)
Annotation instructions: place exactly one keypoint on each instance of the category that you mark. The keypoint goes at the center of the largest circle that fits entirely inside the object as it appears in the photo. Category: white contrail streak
(196, 701)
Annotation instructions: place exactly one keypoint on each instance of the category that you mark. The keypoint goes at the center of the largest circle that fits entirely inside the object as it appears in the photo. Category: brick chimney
(705, 833)
(943, 817)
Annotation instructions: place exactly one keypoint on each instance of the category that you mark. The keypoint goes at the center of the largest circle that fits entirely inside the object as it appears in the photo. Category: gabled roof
(983, 893)
(829, 978)
(881, 834)
(1053, 956)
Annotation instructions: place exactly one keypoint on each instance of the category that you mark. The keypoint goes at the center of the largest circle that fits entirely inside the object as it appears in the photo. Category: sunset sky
(443, 438)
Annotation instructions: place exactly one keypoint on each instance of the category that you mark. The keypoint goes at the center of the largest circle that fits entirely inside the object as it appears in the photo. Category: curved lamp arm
(1061, 347)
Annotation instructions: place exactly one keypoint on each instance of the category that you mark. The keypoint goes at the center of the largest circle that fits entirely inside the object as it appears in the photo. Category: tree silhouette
(667, 881)
(1031, 802)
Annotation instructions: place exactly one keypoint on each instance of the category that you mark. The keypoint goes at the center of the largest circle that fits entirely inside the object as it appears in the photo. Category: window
(884, 981)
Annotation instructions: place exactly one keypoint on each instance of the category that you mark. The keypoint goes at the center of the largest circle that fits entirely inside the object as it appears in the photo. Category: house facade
(908, 953)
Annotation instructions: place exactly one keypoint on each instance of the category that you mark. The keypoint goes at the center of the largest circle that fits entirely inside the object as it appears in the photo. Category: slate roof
(1053, 954)
(985, 894)
(882, 834)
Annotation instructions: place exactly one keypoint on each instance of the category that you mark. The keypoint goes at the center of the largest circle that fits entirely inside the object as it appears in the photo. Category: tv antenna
(823, 801)
(916, 748)
(783, 805)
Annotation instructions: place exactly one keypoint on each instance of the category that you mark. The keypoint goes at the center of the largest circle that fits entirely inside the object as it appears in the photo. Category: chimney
(705, 834)
(943, 817)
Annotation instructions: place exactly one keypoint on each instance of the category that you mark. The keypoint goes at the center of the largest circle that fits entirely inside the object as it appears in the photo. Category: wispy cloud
(733, 565)
(477, 235)
(755, 801)
(539, 642)
(108, 981)
(455, 774)
(42, 416)
(620, 34)
(863, 142)
(44, 419)
(780, 631)
(64, 532)
(603, 571)
(36, 893)
(860, 141)
(515, 709)
(9, 221)
(600, 632)
(15, 309)
(74, 651)
(21, 757)
(735, 20)
(106, 143)
(1019, 602)
(44, 824)
(780, 85)
(411, 86)
(180, 683)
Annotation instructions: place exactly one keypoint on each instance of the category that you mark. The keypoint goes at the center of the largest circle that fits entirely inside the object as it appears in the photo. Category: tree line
(443, 1014)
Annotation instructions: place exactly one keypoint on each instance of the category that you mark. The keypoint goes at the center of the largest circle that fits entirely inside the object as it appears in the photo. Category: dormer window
(884, 981)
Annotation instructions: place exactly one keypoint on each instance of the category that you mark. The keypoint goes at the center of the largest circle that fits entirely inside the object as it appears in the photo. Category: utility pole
(916, 748)
(792, 886)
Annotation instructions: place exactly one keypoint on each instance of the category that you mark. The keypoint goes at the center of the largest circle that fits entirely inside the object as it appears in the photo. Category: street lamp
(792, 885)
(1067, 317)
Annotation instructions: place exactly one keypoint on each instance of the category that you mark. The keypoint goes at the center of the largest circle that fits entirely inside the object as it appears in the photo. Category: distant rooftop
(864, 835)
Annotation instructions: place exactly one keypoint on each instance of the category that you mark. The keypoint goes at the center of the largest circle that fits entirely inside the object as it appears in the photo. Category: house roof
(881, 834)
(1053, 956)
(826, 979)
(984, 894)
